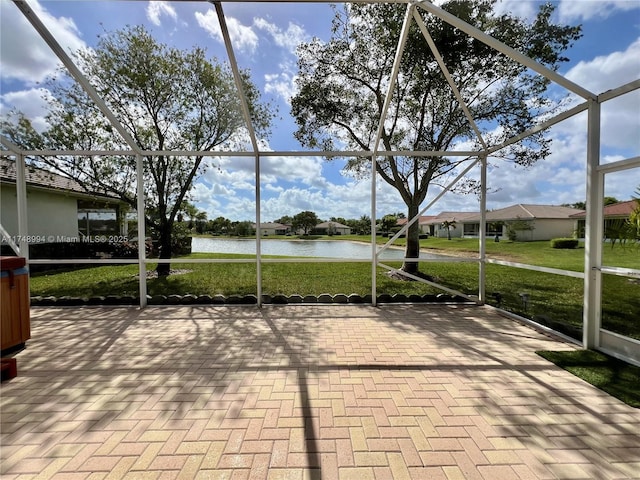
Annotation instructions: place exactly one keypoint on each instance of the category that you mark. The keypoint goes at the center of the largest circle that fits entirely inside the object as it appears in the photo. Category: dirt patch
(178, 271)
(397, 275)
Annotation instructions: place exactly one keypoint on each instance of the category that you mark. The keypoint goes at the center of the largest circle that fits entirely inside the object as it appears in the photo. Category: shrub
(568, 243)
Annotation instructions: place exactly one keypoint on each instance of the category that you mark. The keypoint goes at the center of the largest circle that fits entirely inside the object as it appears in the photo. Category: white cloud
(282, 83)
(608, 71)
(620, 120)
(30, 102)
(307, 170)
(622, 185)
(336, 201)
(520, 8)
(227, 188)
(571, 10)
(289, 38)
(619, 117)
(242, 36)
(25, 56)
(157, 9)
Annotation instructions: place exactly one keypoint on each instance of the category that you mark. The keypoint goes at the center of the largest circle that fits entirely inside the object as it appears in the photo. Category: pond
(297, 248)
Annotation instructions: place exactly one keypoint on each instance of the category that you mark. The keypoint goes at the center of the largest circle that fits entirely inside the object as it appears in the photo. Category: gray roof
(44, 179)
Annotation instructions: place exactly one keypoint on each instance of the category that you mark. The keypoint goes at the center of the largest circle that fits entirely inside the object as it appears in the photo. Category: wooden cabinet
(15, 327)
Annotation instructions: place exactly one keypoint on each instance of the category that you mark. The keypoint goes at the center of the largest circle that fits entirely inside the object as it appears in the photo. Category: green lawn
(534, 253)
(553, 299)
(613, 376)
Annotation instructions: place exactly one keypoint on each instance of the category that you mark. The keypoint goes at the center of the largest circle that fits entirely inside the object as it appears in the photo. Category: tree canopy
(342, 86)
(165, 98)
(306, 221)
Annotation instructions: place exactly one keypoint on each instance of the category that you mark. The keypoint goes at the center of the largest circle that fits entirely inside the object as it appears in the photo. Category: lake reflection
(296, 248)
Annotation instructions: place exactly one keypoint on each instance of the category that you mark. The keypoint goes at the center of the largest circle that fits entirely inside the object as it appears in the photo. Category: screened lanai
(595, 273)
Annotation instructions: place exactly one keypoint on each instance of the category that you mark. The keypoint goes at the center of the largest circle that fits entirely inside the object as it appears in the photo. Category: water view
(297, 248)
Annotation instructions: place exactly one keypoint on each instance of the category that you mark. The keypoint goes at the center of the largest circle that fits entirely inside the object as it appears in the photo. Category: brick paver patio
(304, 392)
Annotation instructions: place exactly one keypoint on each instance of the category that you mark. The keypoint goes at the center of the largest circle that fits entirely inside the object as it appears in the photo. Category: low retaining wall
(245, 299)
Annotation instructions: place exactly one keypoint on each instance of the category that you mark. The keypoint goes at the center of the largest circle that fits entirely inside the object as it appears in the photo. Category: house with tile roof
(58, 208)
(437, 226)
(331, 228)
(424, 224)
(614, 215)
(526, 222)
(272, 228)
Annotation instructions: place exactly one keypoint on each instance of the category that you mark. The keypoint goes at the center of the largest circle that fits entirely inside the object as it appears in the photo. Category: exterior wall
(424, 228)
(47, 215)
(273, 231)
(337, 231)
(442, 232)
(472, 230)
(546, 229)
(543, 229)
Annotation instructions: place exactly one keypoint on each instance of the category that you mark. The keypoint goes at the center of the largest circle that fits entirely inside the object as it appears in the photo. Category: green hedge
(569, 243)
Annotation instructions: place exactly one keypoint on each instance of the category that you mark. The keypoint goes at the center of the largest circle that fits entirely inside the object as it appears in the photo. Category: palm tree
(449, 224)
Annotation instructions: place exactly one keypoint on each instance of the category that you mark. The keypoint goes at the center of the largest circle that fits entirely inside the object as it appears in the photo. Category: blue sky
(264, 38)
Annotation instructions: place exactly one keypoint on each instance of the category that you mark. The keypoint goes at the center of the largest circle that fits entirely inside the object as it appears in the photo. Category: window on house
(95, 219)
(472, 229)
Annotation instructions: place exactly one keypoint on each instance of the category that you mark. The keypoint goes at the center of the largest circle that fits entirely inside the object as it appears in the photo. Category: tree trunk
(413, 242)
(163, 269)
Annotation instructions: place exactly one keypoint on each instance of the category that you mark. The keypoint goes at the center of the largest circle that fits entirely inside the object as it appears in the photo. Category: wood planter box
(15, 327)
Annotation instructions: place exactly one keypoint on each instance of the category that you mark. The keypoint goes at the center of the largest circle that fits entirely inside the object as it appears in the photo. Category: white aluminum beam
(405, 227)
(536, 268)
(263, 153)
(12, 147)
(404, 34)
(483, 230)
(57, 49)
(21, 193)
(621, 90)
(620, 165)
(447, 75)
(7, 238)
(433, 284)
(621, 272)
(542, 126)
(252, 135)
(142, 234)
(593, 235)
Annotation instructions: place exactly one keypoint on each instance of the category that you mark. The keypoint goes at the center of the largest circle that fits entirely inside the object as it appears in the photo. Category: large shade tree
(342, 85)
(167, 100)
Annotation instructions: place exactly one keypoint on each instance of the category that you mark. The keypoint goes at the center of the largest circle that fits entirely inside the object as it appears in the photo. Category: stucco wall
(455, 232)
(546, 229)
(47, 214)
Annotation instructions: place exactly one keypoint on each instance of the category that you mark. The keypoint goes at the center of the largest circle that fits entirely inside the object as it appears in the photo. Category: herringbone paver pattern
(304, 392)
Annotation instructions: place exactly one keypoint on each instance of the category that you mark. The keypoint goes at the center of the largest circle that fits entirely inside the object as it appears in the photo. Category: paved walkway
(303, 392)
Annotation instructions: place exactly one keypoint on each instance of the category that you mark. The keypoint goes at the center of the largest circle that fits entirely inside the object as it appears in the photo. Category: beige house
(59, 209)
(423, 223)
(613, 214)
(526, 222)
(271, 228)
(456, 220)
(331, 228)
